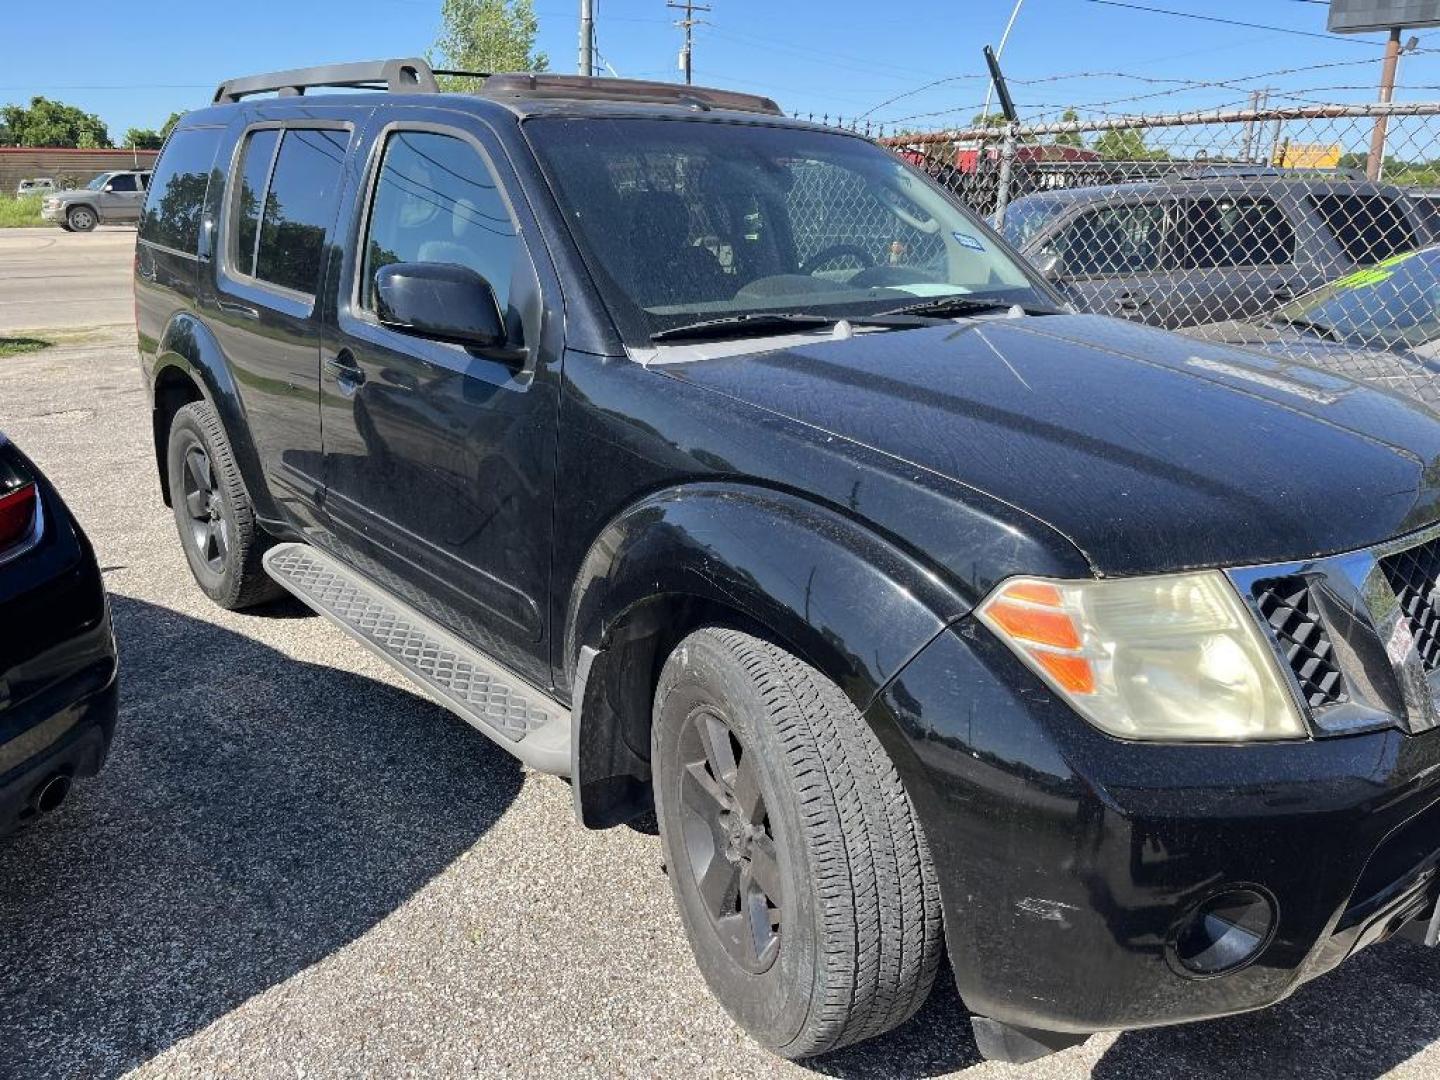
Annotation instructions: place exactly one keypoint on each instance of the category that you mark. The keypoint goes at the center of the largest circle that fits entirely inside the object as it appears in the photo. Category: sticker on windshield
(966, 240)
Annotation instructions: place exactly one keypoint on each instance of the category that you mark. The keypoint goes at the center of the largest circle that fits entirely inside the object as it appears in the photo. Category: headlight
(1174, 658)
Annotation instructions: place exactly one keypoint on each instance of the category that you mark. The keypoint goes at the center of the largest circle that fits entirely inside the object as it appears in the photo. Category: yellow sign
(1309, 156)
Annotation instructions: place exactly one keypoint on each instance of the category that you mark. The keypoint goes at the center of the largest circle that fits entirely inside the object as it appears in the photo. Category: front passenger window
(437, 201)
(123, 182)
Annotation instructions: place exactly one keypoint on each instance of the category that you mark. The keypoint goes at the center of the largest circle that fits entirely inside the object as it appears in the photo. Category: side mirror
(445, 301)
(1049, 267)
(108, 187)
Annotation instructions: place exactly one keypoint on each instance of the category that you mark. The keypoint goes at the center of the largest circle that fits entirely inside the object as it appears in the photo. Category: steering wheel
(834, 251)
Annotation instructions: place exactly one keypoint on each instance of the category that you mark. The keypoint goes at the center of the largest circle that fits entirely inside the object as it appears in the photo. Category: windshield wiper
(941, 306)
(758, 322)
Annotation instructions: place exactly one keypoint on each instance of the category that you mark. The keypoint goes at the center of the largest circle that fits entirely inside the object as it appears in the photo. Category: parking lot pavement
(52, 278)
(294, 864)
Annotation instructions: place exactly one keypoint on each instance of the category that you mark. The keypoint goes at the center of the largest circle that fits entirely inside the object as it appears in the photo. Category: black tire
(222, 541)
(81, 219)
(855, 934)
(65, 226)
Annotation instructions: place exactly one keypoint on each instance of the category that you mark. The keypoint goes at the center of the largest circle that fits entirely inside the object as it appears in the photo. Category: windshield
(98, 182)
(1394, 304)
(680, 222)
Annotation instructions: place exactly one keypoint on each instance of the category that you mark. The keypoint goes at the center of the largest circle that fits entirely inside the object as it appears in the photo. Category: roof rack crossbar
(409, 75)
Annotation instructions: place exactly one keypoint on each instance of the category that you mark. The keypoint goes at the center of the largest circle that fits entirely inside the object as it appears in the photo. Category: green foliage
(988, 120)
(14, 346)
(169, 124)
(1069, 138)
(143, 139)
(487, 35)
(52, 123)
(16, 213)
(1126, 144)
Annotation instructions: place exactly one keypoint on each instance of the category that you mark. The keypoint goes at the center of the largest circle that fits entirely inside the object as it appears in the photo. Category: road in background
(52, 278)
(295, 864)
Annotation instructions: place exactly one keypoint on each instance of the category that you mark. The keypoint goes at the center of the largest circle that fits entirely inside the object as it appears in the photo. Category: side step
(522, 719)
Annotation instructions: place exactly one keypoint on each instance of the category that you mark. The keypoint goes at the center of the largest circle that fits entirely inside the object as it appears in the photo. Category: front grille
(1413, 575)
(1289, 611)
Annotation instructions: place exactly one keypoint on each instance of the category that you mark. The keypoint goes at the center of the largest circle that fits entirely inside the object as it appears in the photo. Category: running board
(522, 719)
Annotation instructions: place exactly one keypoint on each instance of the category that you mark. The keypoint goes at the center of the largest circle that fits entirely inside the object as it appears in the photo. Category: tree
(169, 125)
(1126, 144)
(487, 35)
(988, 120)
(1069, 138)
(52, 123)
(143, 139)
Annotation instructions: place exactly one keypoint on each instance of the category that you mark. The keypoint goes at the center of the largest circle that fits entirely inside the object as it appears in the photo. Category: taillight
(17, 517)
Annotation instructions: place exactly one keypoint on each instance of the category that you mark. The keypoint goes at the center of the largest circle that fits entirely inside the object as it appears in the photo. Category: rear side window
(176, 198)
(1368, 227)
(1221, 233)
(437, 201)
(279, 236)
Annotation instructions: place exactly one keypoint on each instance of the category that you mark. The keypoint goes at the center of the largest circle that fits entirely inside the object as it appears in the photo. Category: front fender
(823, 585)
(188, 347)
(837, 595)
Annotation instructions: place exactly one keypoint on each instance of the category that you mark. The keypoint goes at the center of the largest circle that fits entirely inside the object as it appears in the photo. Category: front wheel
(223, 543)
(801, 874)
(81, 219)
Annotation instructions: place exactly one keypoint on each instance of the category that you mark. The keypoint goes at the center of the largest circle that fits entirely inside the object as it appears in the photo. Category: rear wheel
(801, 874)
(217, 526)
(81, 219)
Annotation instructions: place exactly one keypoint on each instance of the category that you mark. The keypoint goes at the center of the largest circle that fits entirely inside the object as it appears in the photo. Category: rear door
(278, 216)
(439, 459)
(1238, 257)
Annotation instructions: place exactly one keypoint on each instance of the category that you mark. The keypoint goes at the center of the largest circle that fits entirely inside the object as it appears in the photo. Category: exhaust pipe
(49, 796)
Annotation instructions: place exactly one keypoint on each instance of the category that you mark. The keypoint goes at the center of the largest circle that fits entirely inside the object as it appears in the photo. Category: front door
(439, 459)
(1115, 260)
(121, 198)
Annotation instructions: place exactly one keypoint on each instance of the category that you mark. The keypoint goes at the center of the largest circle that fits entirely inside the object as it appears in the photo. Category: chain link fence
(1303, 230)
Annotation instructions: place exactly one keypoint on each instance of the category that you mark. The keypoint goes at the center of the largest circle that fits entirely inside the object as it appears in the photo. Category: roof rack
(588, 88)
(415, 76)
(411, 75)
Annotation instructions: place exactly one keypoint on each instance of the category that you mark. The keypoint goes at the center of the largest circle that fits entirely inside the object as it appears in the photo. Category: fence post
(1007, 169)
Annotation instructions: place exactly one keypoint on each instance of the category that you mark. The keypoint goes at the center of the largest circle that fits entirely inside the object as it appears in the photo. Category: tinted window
(176, 199)
(1235, 232)
(255, 163)
(437, 202)
(833, 210)
(1368, 227)
(1115, 240)
(299, 207)
(123, 182)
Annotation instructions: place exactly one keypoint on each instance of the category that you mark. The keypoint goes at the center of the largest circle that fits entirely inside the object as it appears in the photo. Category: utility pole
(587, 37)
(1375, 163)
(689, 21)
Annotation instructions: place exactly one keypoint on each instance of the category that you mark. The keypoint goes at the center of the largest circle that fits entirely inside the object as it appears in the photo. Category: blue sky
(135, 62)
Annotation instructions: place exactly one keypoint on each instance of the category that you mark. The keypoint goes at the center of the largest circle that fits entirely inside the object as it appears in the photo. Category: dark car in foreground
(1381, 324)
(726, 465)
(1219, 245)
(57, 651)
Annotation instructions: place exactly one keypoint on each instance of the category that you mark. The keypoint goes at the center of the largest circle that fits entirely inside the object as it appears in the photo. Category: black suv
(727, 466)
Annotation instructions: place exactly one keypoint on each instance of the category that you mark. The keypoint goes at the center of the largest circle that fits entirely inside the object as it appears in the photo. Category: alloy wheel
(209, 531)
(728, 840)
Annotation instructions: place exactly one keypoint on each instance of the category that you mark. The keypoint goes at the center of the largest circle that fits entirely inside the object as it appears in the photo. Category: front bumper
(56, 214)
(1069, 859)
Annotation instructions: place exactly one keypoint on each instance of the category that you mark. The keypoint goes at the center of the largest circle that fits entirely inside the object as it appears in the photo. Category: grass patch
(16, 346)
(17, 213)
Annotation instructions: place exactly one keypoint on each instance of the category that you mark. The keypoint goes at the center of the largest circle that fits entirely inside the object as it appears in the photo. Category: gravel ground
(294, 865)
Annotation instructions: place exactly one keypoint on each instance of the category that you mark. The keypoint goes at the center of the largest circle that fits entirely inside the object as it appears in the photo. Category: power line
(1232, 22)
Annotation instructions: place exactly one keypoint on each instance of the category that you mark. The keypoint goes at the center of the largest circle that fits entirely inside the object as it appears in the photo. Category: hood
(1150, 451)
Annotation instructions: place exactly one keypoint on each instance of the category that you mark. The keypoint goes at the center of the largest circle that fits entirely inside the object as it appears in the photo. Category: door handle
(348, 374)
